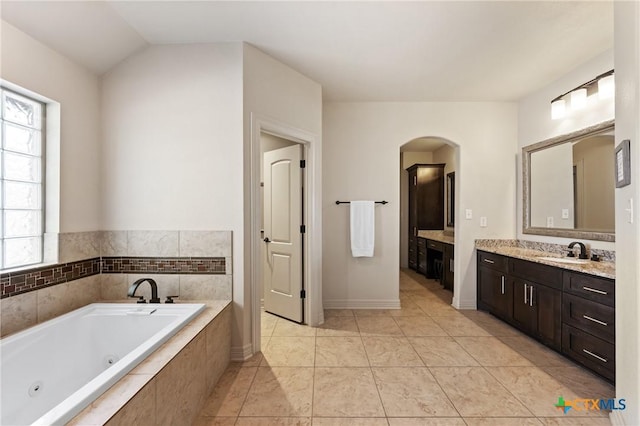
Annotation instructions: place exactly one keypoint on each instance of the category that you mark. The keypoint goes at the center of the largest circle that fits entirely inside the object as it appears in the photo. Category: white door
(282, 232)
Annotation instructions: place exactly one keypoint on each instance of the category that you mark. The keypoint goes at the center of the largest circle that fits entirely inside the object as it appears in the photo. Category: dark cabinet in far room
(426, 204)
(447, 262)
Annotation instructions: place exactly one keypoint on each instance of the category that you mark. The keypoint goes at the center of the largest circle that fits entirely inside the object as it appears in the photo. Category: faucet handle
(170, 299)
(571, 254)
(140, 299)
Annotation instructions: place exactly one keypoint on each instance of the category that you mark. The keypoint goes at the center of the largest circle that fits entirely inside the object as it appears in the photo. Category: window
(21, 180)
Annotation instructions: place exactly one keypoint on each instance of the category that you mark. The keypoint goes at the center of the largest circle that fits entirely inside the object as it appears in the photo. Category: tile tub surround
(171, 385)
(605, 269)
(201, 271)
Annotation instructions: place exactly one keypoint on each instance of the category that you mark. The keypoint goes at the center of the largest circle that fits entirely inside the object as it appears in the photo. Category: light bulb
(579, 98)
(606, 87)
(558, 109)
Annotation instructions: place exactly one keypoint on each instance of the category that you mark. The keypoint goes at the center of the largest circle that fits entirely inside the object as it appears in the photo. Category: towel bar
(349, 202)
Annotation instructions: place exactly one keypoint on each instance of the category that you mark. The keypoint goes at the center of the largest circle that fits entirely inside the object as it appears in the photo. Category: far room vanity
(435, 256)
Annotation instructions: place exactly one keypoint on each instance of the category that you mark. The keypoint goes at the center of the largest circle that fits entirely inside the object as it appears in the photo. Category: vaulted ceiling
(358, 51)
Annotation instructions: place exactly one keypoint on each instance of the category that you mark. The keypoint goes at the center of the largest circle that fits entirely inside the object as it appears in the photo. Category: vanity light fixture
(603, 84)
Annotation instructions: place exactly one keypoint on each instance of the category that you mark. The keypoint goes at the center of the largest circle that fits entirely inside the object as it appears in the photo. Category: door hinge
(303, 294)
(303, 229)
(303, 164)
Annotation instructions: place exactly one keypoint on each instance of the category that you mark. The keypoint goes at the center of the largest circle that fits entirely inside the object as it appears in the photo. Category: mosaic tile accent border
(14, 283)
(18, 282)
(164, 265)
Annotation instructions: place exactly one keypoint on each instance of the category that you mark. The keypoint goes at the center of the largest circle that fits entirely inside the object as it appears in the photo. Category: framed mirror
(451, 198)
(568, 185)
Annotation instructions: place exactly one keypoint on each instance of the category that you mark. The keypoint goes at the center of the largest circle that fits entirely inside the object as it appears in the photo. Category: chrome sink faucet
(154, 290)
(583, 250)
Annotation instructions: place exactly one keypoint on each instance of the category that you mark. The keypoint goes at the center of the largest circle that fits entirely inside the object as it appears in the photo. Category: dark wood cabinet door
(422, 256)
(495, 292)
(548, 305)
(447, 275)
(524, 314)
(430, 197)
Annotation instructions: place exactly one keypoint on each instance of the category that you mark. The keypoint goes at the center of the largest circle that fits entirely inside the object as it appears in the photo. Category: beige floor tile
(346, 392)
(289, 352)
(441, 352)
(273, 421)
(475, 393)
(493, 326)
(436, 307)
(338, 326)
(535, 352)
(280, 391)
(575, 421)
(584, 383)
(372, 312)
(215, 421)
(411, 392)
(340, 352)
(378, 326)
(286, 328)
(419, 326)
(337, 313)
(490, 351)
(384, 351)
(427, 421)
(459, 325)
(350, 421)
(267, 323)
(407, 309)
(502, 421)
(230, 392)
(537, 390)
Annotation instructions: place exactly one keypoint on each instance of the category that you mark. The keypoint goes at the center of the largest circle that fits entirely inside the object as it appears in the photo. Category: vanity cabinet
(447, 261)
(568, 311)
(422, 256)
(426, 204)
(588, 329)
(495, 288)
(537, 300)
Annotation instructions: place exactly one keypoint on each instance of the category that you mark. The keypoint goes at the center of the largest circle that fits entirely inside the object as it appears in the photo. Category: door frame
(312, 216)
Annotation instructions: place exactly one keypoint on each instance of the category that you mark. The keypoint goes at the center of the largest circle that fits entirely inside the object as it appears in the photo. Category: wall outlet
(483, 222)
(468, 214)
(549, 221)
(565, 213)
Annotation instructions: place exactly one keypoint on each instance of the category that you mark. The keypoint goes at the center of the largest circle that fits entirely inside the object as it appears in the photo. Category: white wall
(360, 150)
(35, 67)
(275, 93)
(627, 65)
(173, 145)
(535, 124)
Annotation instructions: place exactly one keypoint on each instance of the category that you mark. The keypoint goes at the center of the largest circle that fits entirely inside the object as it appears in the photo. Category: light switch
(565, 213)
(483, 222)
(468, 214)
(549, 221)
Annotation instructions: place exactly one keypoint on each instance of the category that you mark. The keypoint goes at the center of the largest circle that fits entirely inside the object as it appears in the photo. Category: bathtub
(50, 372)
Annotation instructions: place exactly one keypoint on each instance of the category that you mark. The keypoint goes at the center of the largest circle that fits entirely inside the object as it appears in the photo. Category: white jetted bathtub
(51, 372)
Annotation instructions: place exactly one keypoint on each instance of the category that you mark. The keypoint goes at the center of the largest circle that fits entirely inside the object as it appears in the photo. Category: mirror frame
(451, 199)
(526, 185)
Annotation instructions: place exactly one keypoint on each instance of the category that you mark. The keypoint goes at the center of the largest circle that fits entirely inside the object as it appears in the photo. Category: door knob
(267, 240)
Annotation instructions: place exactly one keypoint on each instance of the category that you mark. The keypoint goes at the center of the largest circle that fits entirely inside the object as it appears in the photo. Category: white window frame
(42, 181)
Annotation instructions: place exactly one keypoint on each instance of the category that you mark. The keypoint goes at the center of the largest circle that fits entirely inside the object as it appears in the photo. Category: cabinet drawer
(599, 290)
(492, 260)
(422, 244)
(547, 275)
(592, 317)
(592, 352)
(435, 245)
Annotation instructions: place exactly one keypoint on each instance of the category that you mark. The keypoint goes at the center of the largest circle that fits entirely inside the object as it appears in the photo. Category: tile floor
(424, 364)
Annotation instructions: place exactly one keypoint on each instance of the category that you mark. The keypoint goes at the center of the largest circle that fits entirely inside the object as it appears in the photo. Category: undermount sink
(564, 260)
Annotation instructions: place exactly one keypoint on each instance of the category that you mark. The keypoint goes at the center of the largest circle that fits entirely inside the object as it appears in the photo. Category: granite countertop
(600, 269)
(437, 236)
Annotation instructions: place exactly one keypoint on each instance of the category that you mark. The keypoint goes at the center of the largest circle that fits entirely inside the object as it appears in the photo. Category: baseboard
(464, 304)
(616, 419)
(241, 353)
(361, 304)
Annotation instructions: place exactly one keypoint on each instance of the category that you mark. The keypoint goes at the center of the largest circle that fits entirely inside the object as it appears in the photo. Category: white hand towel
(362, 228)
